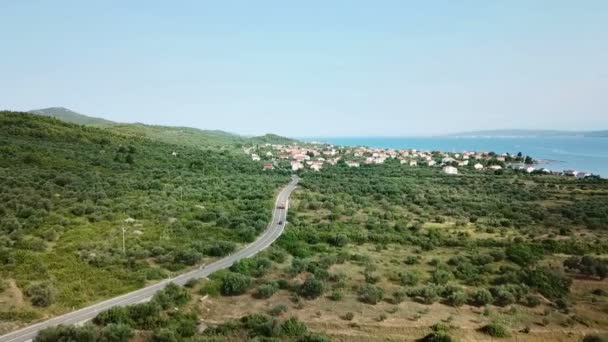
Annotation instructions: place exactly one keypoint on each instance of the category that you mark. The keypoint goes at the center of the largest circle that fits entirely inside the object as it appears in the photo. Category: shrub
(532, 301)
(234, 284)
(523, 254)
(116, 315)
(165, 335)
(550, 284)
(311, 288)
(441, 277)
(409, 278)
(278, 309)
(85, 333)
(348, 316)
(41, 294)
(595, 338)
(482, 297)
(425, 294)
(412, 260)
(370, 294)
(457, 298)
(293, 328)
(172, 295)
(266, 290)
(336, 295)
(115, 333)
(260, 325)
(338, 240)
(495, 329)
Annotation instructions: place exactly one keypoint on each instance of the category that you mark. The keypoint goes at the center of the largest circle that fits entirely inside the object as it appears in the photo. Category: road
(273, 231)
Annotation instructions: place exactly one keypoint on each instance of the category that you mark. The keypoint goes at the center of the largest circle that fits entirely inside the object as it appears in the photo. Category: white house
(316, 166)
(478, 166)
(352, 163)
(296, 165)
(450, 170)
(530, 169)
(255, 157)
(431, 162)
(495, 167)
(413, 163)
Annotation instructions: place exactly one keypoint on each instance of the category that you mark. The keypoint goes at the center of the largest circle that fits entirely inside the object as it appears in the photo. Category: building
(413, 163)
(352, 163)
(268, 166)
(431, 162)
(478, 166)
(255, 157)
(495, 167)
(296, 165)
(450, 170)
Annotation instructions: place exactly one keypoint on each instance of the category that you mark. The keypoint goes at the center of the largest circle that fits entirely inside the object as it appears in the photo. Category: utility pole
(123, 241)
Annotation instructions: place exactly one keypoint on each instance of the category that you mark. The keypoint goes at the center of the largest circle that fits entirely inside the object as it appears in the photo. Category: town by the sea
(585, 154)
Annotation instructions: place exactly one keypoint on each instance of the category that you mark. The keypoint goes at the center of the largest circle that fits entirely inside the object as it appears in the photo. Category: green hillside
(66, 192)
(185, 136)
(67, 115)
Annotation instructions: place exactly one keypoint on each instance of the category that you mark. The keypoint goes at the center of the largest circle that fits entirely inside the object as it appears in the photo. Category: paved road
(273, 231)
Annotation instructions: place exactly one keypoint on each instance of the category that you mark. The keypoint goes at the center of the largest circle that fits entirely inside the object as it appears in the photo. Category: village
(316, 156)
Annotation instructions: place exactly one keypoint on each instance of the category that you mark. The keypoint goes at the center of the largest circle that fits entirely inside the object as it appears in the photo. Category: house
(495, 167)
(570, 173)
(268, 154)
(352, 163)
(403, 161)
(268, 166)
(447, 160)
(174, 154)
(463, 163)
(255, 157)
(530, 169)
(478, 166)
(316, 166)
(431, 162)
(296, 165)
(413, 163)
(450, 170)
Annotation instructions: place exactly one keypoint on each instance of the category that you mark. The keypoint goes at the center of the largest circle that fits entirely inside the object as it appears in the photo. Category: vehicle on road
(280, 223)
(281, 206)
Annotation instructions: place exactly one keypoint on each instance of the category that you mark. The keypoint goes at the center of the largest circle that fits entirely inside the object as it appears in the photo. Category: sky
(312, 68)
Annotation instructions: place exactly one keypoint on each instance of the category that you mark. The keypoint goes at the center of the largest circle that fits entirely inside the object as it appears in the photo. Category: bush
(311, 288)
(117, 315)
(293, 328)
(523, 254)
(172, 295)
(441, 277)
(370, 294)
(532, 301)
(260, 325)
(234, 284)
(482, 297)
(60, 333)
(278, 310)
(41, 294)
(457, 298)
(426, 294)
(495, 329)
(348, 316)
(165, 335)
(550, 284)
(409, 278)
(266, 291)
(595, 338)
(115, 333)
(336, 295)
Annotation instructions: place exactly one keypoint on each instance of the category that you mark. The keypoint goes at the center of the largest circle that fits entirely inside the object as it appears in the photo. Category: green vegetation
(68, 193)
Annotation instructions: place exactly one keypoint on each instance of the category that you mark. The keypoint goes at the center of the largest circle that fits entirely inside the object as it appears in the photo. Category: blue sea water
(561, 153)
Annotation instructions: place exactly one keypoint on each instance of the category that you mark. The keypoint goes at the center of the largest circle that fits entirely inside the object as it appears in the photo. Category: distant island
(530, 133)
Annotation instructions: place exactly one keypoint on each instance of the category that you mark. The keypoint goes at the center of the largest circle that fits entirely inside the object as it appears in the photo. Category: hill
(529, 133)
(185, 136)
(67, 115)
(67, 190)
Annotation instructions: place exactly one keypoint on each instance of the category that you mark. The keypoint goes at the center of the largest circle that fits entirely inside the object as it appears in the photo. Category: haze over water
(562, 153)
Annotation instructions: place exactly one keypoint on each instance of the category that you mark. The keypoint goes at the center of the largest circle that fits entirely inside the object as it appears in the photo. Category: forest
(69, 193)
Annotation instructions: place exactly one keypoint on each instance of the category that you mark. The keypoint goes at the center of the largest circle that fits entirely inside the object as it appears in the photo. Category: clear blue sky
(312, 68)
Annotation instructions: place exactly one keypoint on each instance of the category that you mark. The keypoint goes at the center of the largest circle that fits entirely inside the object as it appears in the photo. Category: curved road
(273, 231)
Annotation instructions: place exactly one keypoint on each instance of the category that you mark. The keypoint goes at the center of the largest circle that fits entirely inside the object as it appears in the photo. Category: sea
(584, 154)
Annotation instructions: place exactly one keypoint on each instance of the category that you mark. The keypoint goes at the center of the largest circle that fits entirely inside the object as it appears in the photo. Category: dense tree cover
(163, 315)
(68, 191)
(499, 232)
